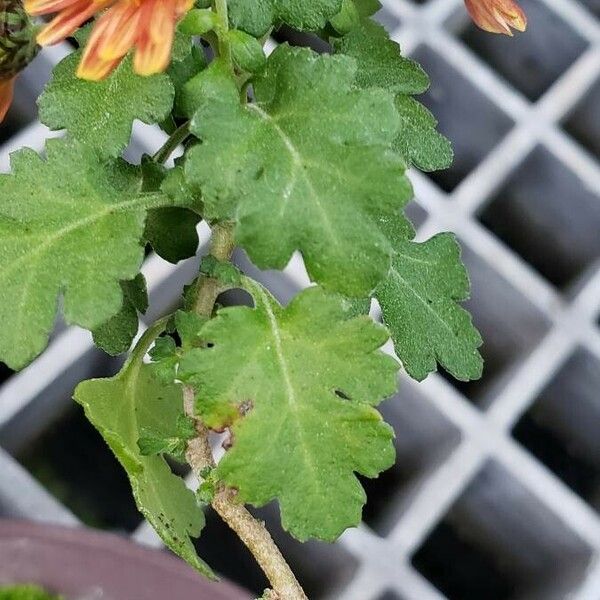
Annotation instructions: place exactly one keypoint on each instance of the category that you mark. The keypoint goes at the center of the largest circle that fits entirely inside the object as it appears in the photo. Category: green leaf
(199, 21)
(121, 408)
(419, 301)
(26, 592)
(298, 386)
(171, 231)
(307, 167)
(366, 8)
(101, 113)
(419, 142)
(246, 51)
(257, 16)
(71, 224)
(187, 61)
(380, 64)
(347, 19)
(115, 336)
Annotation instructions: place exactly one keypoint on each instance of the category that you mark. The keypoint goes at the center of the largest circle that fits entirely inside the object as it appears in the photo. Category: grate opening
(509, 335)
(561, 430)
(75, 465)
(592, 5)
(504, 544)
(471, 575)
(423, 439)
(467, 117)
(584, 121)
(5, 372)
(389, 595)
(531, 63)
(558, 238)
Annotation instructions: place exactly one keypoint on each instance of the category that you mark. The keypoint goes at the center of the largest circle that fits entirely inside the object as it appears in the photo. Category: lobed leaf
(308, 166)
(297, 385)
(101, 113)
(71, 224)
(257, 16)
(419, 301)
(381, 65)
(115, 336)
(122, 408)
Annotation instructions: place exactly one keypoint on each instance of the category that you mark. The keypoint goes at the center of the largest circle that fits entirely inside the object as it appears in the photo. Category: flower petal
(497, 16)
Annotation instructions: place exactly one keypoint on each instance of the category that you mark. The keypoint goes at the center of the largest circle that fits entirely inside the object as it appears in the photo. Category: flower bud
(17, 39)
(17, 48)
(497, 16)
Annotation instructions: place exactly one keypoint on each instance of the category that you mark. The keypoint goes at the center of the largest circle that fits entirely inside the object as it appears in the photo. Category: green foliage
(101, 114)
(124, 409)
(307, 166)
(257, 16)
(26, 592)
(381, 65)
(272, 374)
(69, 224)
(294, 152)
(115, 336)
(419, 299)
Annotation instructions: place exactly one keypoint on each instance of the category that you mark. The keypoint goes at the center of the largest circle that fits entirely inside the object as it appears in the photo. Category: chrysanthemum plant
(289, 152)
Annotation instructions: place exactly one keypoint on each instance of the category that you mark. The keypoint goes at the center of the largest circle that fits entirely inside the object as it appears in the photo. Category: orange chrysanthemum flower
(146, 25)
(497, 16)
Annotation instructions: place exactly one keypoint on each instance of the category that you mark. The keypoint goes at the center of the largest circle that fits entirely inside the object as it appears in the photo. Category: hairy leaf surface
(305, 378)
(380, 64)
(115, 336)
(257, 16)
(419, 300)
(69, 224)
(309, 166)
(101, 113)
(122, 408)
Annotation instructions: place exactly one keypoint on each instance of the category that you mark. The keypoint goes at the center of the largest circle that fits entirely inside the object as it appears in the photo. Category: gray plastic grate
(497, 487)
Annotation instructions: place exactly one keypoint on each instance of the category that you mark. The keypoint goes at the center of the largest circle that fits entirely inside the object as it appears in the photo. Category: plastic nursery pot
(82, 564)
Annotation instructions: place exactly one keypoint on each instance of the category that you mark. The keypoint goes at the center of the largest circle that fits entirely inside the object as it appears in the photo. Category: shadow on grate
(389, 596)
(583, 123)
(510, 325)
(21, 113)
(472, 121)
(72, 461)
(329, 568)
(547, 216)
(500, 542)
(561, 428)
(592, 5)
(424, 438)
(531, 62)
(5, 372)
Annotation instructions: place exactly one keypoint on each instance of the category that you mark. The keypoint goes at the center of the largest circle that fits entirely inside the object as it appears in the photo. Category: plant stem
(176, 138)
(251, 531)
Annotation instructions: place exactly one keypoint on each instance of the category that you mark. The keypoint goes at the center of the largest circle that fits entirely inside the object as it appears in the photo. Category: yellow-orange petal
(45, 7)
(6, 96)
(119, 30)
(497, 16)
(67, 22)
(156, 30)
(93, 66)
